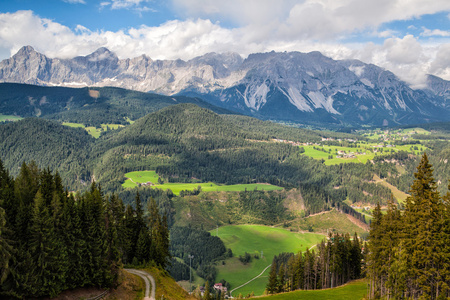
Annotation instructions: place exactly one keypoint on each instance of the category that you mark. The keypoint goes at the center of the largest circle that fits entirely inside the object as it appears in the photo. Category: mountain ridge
(287, 86)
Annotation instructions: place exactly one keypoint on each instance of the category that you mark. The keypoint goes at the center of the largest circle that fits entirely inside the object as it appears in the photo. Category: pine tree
(424, 238)
(375, 259)
(207, 293)
(6, 250)
(143, 246)
(128, 244)
(44, 251)
(281, 281)
(272, 285)
(74, 241)
(112, 248)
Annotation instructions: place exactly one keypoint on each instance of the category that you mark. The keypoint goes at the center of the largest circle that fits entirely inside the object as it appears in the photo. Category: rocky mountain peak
(291, 86)
(25, 51)
(101, 54)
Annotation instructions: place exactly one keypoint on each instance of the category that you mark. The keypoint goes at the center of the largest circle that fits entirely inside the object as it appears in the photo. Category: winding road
(147, 278)
(260, 274)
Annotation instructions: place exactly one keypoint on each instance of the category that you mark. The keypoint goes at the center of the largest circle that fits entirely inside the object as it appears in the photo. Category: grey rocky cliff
(289, 86)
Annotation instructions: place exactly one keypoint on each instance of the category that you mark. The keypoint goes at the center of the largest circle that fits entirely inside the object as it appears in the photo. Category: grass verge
(354, 290)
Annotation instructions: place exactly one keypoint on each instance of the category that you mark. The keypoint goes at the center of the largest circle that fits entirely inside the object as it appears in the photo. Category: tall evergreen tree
(423, 237)
(6, 250)
(45, 278)
(272, 285)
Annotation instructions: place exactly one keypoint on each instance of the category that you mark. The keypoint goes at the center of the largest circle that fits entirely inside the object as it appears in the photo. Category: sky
(408, 37)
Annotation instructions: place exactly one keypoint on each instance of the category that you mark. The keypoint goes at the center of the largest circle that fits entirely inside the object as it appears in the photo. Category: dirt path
(319, 213)
(358, 223)
(147, 278)
(260, 274)
(250, 279)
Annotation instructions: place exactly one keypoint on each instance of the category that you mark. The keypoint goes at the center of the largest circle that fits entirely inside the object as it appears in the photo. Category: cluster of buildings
(217, 287)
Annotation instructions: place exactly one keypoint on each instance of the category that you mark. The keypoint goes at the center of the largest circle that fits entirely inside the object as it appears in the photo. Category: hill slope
(50, 145)
(89, 106)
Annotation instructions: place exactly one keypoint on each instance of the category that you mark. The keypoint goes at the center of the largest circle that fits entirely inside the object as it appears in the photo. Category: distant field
(4, 118)
(394, 134)
(253, 239)
(332, 220)
(139, 177)
(367, 152)
(95, 132)
(354, 290)
(398, 195)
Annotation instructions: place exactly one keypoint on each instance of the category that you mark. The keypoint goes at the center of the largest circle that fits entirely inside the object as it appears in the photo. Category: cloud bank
(253, 26)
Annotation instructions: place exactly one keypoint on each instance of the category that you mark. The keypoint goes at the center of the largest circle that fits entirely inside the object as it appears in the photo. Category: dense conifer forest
(52, 240)
(408, 254)
(188, 144)
(185, 143)
(335, 262)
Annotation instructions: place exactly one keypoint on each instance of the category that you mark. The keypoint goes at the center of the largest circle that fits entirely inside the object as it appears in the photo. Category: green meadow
(255, 239)
(4, 118)
(140, 177)
(355, 290)
(93, 131)
(366, 150)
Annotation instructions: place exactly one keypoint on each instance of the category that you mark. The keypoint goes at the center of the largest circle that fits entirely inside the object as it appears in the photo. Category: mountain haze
(288, 86)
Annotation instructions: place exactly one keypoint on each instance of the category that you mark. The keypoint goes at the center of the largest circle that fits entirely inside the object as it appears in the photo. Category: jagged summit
(290, 86)
(25, 50)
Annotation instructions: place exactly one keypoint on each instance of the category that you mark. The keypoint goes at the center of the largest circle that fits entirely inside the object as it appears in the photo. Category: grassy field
(95, 132)
(139, 177)
(355, 290)
(253, 239)
(332, 220)
(4, 118)
(166, 287)
(394, 134)
(398, 195)
(363, 152)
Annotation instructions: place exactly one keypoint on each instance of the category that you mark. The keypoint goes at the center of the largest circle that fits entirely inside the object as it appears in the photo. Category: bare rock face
(289, 86)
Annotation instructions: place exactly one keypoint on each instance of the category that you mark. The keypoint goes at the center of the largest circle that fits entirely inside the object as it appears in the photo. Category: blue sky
(410, 38)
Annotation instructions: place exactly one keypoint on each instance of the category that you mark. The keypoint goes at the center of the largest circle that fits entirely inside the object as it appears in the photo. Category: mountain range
(307, 88)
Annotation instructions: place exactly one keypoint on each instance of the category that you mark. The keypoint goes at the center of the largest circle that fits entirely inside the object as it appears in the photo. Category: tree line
(52, 240)
(409, 257)
(337, 261)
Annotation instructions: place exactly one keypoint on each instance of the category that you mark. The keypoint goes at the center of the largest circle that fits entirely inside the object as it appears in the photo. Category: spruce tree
(272, 285)
(424, 238)
(6, 250)
(207, 293)
(44, 252)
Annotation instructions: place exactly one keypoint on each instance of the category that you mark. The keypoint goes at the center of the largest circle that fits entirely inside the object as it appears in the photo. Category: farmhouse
(219, 287)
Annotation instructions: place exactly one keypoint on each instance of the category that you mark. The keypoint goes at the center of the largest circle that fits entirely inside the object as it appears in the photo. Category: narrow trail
(250, 280)
(260, 274)
(358, 223)
(147, 278)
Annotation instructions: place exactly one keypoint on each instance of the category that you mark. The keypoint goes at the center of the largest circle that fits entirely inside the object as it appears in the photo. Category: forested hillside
(51, 240)
(336, 261)
(50, 145)
(186, 143)
(88, 106)
(408, 250)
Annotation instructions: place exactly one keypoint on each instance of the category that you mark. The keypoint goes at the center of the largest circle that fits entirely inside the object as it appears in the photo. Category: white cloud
(407, 56)
(435, 32)
(441, 64)
(313, 19)
(121, 4)
(387, 33)
(75, 1)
